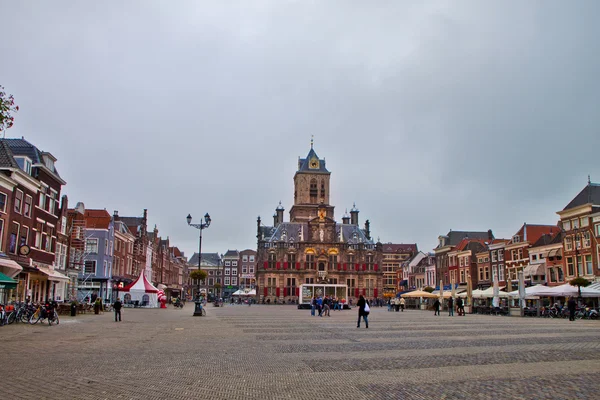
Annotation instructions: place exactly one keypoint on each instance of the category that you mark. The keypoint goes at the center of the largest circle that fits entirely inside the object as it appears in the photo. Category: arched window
(322, 189)
(313, 190)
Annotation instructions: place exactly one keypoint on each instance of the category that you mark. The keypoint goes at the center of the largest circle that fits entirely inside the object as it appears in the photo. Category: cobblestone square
(279, 352)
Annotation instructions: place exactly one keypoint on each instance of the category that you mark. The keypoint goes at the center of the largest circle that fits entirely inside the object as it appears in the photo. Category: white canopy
(484, 294)
(9, 267)
(568, 290)
(141, 291)
(245, 293)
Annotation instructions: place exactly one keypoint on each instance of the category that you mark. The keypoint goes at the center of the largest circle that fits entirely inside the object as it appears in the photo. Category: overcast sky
(432, 116)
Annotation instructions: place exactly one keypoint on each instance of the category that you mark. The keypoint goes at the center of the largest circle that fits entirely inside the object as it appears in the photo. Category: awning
(9, 267)
(6, 282)
(554, 252)
(535, 269)
(53, 275)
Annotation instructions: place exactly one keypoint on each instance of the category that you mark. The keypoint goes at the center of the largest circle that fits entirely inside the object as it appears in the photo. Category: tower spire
(312, 140)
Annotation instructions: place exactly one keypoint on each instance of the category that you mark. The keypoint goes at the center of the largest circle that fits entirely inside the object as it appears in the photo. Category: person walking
(436, 307)
(460, 308)
(313, 306)
(451, 307)
(363, 311)
(572, 305)
(117, 307)
(402, 303)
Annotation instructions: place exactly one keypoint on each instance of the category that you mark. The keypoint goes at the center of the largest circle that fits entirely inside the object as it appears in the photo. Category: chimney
(354, 215)
(116, 214)
(279, 211)
(368, 229)
(524, 231)
(275, 219)
(346, 218)
(258, 227)
(490, 235)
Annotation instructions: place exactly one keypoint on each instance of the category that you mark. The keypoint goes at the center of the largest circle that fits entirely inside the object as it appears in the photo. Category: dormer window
(516, 239)
(49, 163)
(24, 163)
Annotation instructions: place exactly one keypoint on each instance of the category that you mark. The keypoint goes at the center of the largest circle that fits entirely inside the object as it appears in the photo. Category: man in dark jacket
(436, 307)
(117, 307)
(361, 311)
(572, 305)
(451, 307)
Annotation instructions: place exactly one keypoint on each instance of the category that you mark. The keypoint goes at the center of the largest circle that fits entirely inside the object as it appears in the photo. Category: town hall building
(313, 248)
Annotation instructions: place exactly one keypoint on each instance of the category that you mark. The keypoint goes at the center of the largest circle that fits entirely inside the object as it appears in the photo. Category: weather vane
(312, 140)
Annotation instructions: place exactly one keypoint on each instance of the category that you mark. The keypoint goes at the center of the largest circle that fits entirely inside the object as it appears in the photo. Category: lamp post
(200, 226)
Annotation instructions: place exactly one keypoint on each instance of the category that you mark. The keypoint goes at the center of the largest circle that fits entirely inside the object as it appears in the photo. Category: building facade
(231, 264)
(247, 277)
(393, 257)
(95, 276)
(313, 247)
(580, 221)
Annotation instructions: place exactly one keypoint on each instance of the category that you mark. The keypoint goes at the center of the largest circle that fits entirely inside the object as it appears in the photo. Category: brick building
(447, 243)
(580, 220)
(393, 255)
(247, 273)
(313, 247)
(516, 253)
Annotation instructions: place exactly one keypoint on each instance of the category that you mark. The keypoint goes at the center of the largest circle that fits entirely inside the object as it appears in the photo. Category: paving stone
(279, 352)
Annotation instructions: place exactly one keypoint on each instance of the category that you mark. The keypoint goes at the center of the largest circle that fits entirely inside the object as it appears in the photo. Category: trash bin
(73, 309)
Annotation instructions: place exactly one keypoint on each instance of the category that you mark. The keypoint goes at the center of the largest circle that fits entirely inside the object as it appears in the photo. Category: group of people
(323, 305)
(460, 307)
(397, 304)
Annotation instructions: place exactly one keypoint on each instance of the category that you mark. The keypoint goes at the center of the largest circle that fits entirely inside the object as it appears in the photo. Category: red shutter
(345, 266)
(298, 265)
(284, 292)
(356, 266)
(364, 267)
(339, 267)
(266, 264)
(278, 265)
(285, 265)
(266, 292)
(298, 291)
(364, 292)
(375, 292)
(376, 267)
(355, 292)
(277, 291)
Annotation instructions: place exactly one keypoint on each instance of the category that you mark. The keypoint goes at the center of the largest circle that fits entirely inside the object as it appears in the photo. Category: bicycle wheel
(35, 318)
(12, 317)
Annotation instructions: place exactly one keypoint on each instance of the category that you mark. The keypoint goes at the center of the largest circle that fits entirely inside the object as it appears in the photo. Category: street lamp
(200, 226)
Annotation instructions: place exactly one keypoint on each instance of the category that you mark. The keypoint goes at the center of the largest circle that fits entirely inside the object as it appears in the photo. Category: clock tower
(311, 189)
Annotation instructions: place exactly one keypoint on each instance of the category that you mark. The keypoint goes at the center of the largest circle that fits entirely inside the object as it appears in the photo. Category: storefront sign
(247, 276)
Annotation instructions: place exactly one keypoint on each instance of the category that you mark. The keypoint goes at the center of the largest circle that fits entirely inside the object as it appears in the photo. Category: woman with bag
(363, 311)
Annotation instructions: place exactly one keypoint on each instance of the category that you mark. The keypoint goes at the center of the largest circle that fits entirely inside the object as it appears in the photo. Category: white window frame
(585, 221)
(234, 271)
(85, 266)
(589, 267)
(42, 196)
(251, 258)
(227, 271)
(575, 223)
(244, 269)
(105, 271)
(251, 269)
(234, 280)
(227, 282)
(587, 239)
(500, 272)
(3, 209)
(20, 209)
(87, 250)
(227, 263)
(234, 263)
(500, 255)
(567, 225)
(245, 258)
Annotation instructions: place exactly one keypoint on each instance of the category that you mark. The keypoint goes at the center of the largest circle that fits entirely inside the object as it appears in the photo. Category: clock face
(314, 163)
(24, 250)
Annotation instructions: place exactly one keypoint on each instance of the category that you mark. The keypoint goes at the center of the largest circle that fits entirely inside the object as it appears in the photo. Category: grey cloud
(470, 115)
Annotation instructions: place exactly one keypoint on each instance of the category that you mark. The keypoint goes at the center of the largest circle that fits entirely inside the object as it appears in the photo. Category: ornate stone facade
(313, 247)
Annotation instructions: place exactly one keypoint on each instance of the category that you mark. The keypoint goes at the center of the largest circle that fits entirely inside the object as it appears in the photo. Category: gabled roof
(6, 156)
(589, 194)
(295, 231)
(303, 163)
(232, 253)
(21, 147)
(400, 248)
(208, 259)
(471, 244)
(455, 237)
(534, 232)
(98, 219)
(547, 239)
